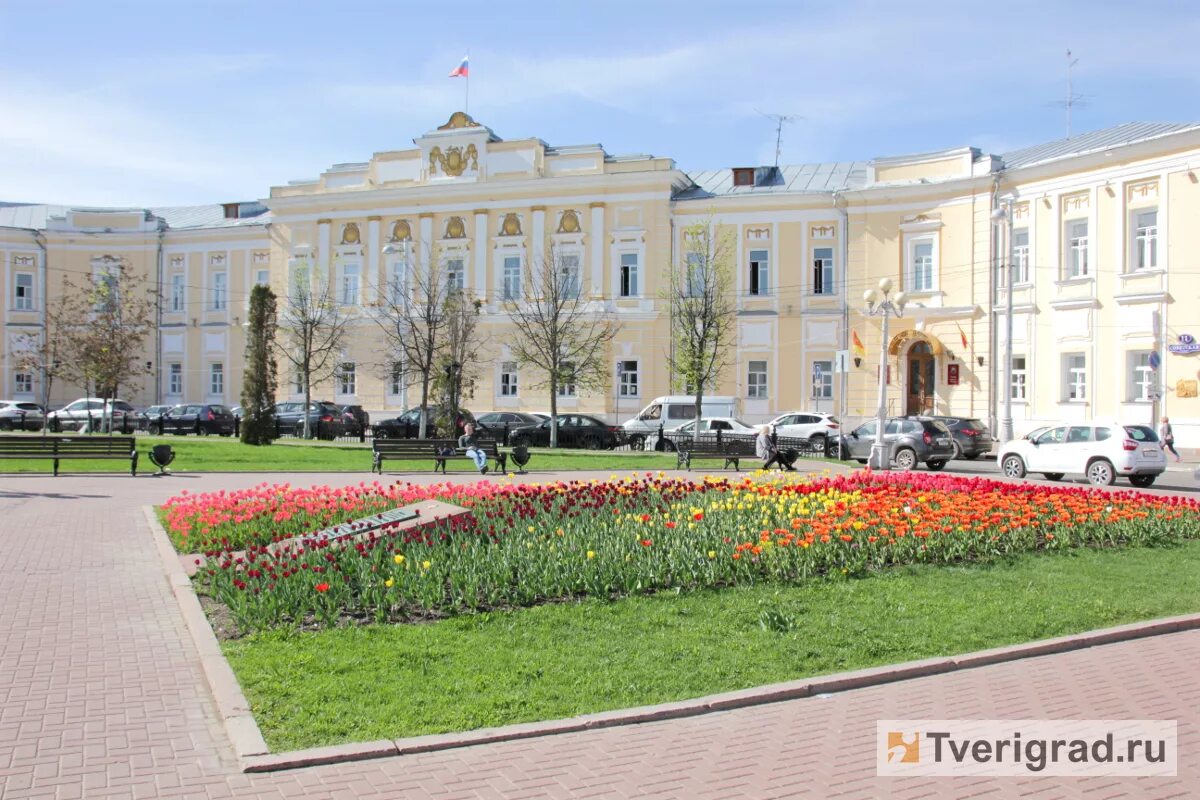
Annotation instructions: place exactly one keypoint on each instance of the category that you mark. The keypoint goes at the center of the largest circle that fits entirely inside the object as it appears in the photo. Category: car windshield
(1141, 433)
(219, 410)
(977, 424)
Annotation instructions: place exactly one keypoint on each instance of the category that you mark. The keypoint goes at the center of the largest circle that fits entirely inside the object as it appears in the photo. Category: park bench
(432, 448)
(731, 450)
(61, 448)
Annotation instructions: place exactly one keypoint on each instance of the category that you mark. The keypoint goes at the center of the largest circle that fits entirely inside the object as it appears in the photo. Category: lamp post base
(878, 458)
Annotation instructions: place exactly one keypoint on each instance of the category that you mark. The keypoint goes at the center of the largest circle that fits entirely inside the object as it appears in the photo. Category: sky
(177, 103)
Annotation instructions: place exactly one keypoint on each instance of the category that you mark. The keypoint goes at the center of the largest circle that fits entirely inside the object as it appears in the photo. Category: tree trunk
(307, 403)
(422, 415)
(699, 407)
(553, 411)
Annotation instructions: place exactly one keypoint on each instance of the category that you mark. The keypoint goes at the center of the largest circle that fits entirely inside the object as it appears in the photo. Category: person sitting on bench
(468, 442)
(765, 449)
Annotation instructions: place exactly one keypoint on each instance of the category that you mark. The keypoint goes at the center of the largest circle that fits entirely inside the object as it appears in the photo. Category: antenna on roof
(1073, 100)
(779, 120)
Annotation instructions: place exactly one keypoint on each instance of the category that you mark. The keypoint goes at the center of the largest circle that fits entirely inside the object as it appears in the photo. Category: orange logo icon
(903, 748)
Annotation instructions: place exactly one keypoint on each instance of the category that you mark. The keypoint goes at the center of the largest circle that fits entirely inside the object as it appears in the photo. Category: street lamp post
(880, 305)
(1004, 216)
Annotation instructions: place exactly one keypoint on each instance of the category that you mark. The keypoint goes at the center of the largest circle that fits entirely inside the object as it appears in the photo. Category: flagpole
(467, 87)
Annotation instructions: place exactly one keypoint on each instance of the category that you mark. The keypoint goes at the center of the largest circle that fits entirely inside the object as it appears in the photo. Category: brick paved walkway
(102, 695)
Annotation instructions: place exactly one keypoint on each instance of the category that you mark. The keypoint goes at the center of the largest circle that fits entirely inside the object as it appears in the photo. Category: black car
(909, 441)
(972, 438)
(355, 419)
(574, 430)
(498, 423)
(324, 419)
(408, 425)
(193, 418)
(148, 415)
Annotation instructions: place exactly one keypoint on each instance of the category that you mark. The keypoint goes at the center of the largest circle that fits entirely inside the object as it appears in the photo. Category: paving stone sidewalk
(101, 694)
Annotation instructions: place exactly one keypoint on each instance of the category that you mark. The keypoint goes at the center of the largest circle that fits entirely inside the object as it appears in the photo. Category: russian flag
(461, 71)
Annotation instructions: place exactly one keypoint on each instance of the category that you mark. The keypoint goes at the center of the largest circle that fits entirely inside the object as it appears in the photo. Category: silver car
(20, 415)
(90, 413)
(910, 441)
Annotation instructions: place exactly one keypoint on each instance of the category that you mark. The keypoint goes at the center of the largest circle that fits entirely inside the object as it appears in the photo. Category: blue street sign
(1155, 361)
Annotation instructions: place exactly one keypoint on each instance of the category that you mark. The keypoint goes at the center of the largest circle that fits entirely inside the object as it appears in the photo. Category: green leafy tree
(261, 377)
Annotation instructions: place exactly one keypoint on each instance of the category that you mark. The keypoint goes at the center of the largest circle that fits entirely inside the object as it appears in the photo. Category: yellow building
(1094, 227)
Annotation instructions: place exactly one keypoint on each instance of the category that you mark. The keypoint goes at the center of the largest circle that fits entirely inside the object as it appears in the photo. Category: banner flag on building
(962, 336)
(462, 70)
(859, 350)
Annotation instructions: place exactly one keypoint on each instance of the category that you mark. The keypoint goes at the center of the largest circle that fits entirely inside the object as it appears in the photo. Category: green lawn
(360, 684)
(216, 454)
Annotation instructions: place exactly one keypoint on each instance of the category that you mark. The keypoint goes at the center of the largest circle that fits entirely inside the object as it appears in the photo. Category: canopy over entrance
(904, 338)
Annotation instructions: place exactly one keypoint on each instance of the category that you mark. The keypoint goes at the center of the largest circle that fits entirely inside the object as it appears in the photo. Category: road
(1177, 480)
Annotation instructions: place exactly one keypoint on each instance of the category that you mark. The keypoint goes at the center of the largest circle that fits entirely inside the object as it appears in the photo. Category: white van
(672, 411)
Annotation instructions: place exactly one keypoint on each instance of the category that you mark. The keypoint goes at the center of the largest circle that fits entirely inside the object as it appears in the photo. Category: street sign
(841, 361)
(1155, 361)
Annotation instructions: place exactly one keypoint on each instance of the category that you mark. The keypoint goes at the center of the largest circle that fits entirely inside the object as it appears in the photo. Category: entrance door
(922, 375)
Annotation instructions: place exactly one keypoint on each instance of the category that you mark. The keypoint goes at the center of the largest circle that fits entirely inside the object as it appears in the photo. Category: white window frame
(1076, 261)
(824, 275)
(396, 380)
(262, 277)
(756, 379)
(570, 388)
(631, 378)
(456, 276)
(510, 382)
(695, 277)
(175, 379)
(1141, 379)
(822, 390)
(913, 272)
(760, 273)
(178, 293)
(511, 270)
(347, 379)
(350, 286)
(24, 301)
(216, 379)
(220, 291)
(629, 274)
(1074, 378)
(398, 281)
(1019, 384)
(22, 377)
(1144, 239)
(1020, 256)
(570, 265)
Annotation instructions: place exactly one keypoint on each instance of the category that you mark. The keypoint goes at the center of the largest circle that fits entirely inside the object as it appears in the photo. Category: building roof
(1094, 141)
(817, 178)
(34, 215)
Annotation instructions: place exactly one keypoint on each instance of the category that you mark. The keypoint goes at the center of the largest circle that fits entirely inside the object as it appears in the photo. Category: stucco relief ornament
(454, 160)
(350, 234)
(401, 231)
(569, 223)
(511, 225)
(455, 228)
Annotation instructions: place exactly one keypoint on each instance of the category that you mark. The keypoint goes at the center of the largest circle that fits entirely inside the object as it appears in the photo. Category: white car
(93, 413)
(813, 425)
(728, 426)
(1102, 451)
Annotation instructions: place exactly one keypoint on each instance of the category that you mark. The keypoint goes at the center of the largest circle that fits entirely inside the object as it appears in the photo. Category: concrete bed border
(254, 755)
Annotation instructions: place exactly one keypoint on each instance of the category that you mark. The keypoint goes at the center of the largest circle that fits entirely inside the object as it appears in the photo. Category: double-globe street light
(879, 304)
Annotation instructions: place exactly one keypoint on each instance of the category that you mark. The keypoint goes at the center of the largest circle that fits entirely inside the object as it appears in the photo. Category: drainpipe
(839, 205)
(158, 321)
(993, 289)
(44, 269)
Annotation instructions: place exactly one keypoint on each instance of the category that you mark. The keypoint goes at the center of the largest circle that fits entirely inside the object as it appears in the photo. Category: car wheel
(154, 429)
(1100, 473)
(958, 453)
(637, 442)
(1141, 481)
(905, 459)
(6, 425)
(934, 466)
(1053, 476)
(1013, 467)
(669, 446)
(592, 443)
(201, 430)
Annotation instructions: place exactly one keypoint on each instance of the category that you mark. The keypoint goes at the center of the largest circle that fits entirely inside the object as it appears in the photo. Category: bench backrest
(430, 446)
(68, 445)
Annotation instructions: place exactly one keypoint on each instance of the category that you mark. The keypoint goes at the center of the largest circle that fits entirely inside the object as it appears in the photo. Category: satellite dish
(520, 455)
(161, 455)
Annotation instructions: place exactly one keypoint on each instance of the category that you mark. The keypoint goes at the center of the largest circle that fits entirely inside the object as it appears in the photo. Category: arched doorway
(922, 379)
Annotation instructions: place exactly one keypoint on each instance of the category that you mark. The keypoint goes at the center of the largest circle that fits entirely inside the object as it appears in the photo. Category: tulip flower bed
(524, 545)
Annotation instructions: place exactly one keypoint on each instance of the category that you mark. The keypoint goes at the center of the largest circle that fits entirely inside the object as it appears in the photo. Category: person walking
(1167, 436)
(469, 442)
(766, 450)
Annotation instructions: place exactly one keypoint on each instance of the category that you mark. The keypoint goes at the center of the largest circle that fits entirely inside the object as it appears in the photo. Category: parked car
(909, 441)
(408, 425)
(20, 415)
(496, 423)
(355, 419)
(816, 426)
(674, 410)
(149, 414)
(200, 419)
(1101, 451)
(972, 438)
(325, 419)
(729, 427)
(92, 413)
(574, 430)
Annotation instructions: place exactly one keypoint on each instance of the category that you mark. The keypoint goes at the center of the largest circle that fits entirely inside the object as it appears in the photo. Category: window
(759, 272)
(396, 384)
(175, 379)
(512, 277)
(1018, 385)
(108, 290)
(297, 383)
(508, 379)
(822, 380)
(756, 380)
(629, 274)
(567, 387)
(23, 382)
(823, 270)
(920, 267)
(1145, 239)
(1074, 377)
(569, 275)
(399, 282)
(1077, 249)
(23, 291)
(1139, 387)
(349, 294)
(629, 378)
(178, 293)
(1020, 255)
(216, 378)
(696, 277)
(455, 276)
(743, 176)
(218, 292)
(347, 378)
(262, 277)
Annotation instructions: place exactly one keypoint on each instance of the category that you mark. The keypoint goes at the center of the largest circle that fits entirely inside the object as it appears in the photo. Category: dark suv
(355, 419)
(324, 419)
(408, 425)
(972, 438)
(193, 418)
(910, 441)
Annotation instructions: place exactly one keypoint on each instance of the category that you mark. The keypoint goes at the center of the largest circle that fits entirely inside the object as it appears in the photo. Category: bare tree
(703, 311)
(46, 352)
(312, 330)
(558, 333)
(411, 312)
(459, 356)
